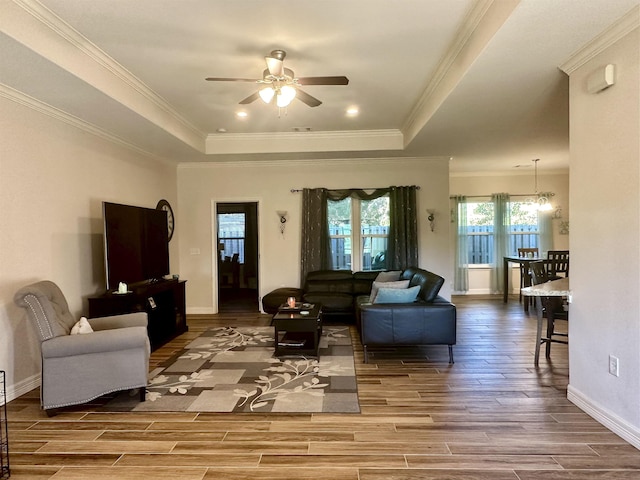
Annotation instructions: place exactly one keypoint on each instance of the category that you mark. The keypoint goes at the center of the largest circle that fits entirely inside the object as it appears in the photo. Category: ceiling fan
(280, 85)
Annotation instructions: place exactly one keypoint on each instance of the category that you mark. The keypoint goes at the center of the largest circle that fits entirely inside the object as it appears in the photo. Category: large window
(359, 231)
(523, 231)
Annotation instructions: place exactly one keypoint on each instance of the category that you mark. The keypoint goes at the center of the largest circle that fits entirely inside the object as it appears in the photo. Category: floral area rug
(229, 369)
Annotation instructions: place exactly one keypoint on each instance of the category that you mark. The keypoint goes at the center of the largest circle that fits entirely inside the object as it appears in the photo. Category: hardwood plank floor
(490, 416)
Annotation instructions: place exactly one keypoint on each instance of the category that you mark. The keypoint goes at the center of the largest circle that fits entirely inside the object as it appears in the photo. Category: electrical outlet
(614, 366)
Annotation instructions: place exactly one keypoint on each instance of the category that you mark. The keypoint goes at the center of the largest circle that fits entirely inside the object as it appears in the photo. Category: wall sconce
(282, 214)
(432, 219)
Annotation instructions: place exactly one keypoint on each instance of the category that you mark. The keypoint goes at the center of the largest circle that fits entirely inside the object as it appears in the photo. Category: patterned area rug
(233, 370)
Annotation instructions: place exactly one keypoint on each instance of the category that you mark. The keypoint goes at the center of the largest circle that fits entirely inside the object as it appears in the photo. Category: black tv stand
(163, 300)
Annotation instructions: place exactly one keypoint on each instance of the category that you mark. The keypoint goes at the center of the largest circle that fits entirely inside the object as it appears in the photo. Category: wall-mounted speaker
(601, 79)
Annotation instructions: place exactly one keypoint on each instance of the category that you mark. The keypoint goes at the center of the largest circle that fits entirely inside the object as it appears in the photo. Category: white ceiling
(474, 80)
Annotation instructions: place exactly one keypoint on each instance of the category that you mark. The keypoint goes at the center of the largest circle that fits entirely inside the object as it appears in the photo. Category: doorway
(237, 249)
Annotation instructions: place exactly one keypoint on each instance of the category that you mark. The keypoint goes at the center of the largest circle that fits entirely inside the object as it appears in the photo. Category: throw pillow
(82, 326)
(394, 295)
(376, 285)
(392, 276)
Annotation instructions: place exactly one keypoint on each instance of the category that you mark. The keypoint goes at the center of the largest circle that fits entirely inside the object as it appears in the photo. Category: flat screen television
(136, 244)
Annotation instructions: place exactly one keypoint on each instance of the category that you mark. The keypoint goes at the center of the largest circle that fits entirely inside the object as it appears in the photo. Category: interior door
(237, 252)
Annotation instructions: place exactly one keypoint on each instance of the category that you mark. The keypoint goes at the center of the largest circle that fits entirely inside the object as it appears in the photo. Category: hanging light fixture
(284, 94)
(266, 94)
(541, 202)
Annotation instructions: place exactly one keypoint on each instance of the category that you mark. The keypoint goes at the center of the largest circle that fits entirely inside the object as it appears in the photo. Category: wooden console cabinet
(164, 303)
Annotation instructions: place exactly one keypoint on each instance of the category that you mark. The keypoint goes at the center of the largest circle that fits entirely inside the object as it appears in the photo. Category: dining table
(554, 288)
(524, 261)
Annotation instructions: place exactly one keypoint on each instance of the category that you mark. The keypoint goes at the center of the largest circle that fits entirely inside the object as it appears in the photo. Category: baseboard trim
(25, 386)
(613, 422)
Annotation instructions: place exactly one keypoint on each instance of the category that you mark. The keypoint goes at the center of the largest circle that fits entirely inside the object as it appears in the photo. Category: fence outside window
(481, 241)
(374, 242)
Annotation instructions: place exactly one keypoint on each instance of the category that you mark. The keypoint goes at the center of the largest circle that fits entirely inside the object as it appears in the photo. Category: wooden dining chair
(551, 308)
(558, 263)
(525, 275)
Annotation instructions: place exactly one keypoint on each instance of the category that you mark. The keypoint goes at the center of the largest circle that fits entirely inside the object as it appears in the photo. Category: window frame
(356, 237)
(512, 234)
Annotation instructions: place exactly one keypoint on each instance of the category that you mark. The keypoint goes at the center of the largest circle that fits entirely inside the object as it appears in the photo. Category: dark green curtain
(403, 232)
(316, 248)
(402, 250)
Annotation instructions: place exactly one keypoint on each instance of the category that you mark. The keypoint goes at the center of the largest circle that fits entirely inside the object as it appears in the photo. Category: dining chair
(525, 275)
(551, 308)
(558, 263)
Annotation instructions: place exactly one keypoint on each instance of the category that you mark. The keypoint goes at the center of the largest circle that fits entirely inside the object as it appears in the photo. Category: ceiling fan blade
(275, 66)
(304, 97)
(218, 79)
(340, 80)
(251, 98)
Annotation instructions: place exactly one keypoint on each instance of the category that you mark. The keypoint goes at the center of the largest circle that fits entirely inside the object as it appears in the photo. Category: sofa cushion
(331, 301)
(329, 281)
(396, 295)
(400, 284)
(430, 283)
(362, 282)
(391, 276)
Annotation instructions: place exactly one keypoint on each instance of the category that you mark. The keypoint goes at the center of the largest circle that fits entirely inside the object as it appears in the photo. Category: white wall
(605, 240)
(200, 186)
(515, 184)
(53, 179)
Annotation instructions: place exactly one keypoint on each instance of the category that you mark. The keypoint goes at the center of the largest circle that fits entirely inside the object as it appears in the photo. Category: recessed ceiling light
(352, 111)
(242, 114)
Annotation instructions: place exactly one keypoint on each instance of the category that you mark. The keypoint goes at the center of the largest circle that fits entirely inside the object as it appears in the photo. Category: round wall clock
(171, 222)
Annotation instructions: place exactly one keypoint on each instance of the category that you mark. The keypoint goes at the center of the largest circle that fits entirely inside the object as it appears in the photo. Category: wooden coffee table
(297, 332)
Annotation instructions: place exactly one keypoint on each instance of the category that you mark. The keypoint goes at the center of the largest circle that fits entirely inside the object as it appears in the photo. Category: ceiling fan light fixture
(266, 94)
(285, 96)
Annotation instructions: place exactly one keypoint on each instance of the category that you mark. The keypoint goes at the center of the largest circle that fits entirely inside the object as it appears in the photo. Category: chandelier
(540, 201)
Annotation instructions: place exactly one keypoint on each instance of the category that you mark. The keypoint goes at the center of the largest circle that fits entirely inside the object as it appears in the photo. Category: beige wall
(53, 179)
(515, 184)
(605, 240)
(200, 186)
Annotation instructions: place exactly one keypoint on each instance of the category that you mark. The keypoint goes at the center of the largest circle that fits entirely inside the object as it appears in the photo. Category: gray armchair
(80, 368)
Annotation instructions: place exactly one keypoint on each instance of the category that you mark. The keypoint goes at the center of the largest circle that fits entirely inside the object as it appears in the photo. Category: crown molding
(334, 162)
(509, 173)
(604, 40)
(294, 142)
(480, 25)
(48, 35)
(57, 114)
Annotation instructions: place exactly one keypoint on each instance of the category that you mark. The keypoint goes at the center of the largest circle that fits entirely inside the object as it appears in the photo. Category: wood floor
(491, 416)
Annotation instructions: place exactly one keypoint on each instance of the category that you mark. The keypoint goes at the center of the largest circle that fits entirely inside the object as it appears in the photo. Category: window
(359, 231)
(231, 235)
(523, 231)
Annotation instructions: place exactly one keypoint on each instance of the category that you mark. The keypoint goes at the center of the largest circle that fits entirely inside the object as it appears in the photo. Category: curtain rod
(297, 190)
(546, 194)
